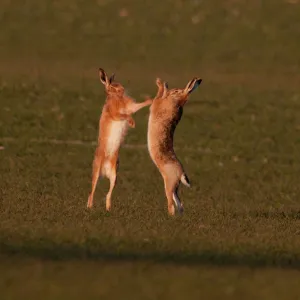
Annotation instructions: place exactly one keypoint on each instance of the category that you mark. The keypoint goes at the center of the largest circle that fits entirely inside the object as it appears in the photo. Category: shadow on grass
(292, 215)
(126, 252)
(272, 214)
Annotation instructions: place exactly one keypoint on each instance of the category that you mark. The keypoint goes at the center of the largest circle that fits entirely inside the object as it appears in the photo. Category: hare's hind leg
(170, 187)
(113, 180)
(95, 176)
(171, 180)
(177, 201)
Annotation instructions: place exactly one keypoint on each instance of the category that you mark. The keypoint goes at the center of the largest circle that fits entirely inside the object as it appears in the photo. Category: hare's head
(176, 95)
(111, 87)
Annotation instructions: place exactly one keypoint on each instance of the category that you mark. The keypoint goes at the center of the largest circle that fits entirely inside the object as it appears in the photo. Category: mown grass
(238, 140)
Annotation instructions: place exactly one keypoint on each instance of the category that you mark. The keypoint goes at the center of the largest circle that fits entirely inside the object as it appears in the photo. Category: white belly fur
(115, 137)
(149, 134)
(106, 168)
(152, 143)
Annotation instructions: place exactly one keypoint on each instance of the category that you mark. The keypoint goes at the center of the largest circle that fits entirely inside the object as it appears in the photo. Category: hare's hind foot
(171, 209)
(90, 202)
(177, 202)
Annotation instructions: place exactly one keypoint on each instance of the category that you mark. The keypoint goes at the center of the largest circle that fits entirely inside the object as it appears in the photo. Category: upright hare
(113, 125)
(165, 113)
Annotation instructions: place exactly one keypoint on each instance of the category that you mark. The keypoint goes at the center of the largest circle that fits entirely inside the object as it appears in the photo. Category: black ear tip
(112, 77)
(199, 80)
(102, 75)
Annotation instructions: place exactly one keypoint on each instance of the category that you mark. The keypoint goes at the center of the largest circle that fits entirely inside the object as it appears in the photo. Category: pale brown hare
(113, 126)
(165, 114)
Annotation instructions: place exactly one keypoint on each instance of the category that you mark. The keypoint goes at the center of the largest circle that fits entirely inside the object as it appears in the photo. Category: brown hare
(165, 113)
(113, 125)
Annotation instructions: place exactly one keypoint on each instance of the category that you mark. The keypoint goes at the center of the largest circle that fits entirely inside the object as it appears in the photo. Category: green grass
(238, 141)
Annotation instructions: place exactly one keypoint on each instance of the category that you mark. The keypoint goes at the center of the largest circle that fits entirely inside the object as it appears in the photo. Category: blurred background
(235, 41)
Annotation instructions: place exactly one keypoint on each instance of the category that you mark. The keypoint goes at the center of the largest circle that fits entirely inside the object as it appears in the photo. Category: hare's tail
(185, 180)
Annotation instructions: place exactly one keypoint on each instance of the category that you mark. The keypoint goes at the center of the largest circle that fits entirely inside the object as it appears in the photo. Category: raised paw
(149, 101)
(131, 123)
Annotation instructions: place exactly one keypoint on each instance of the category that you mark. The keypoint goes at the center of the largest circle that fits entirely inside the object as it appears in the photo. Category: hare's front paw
(149, 101)
(131, 123)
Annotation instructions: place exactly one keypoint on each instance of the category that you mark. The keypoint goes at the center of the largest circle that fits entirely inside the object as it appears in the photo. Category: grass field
(239, 140)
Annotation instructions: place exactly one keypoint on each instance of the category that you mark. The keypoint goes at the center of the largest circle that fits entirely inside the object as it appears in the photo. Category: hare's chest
(115, 136)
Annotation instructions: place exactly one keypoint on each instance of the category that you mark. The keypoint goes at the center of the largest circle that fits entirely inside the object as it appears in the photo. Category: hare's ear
(192, 85)
(111, 78)
(166, 88)
(160, 85)
(162, 88)
(103, 77)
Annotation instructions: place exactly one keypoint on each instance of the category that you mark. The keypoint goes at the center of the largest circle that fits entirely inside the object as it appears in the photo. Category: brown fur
(165, 114)
(113, 126)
